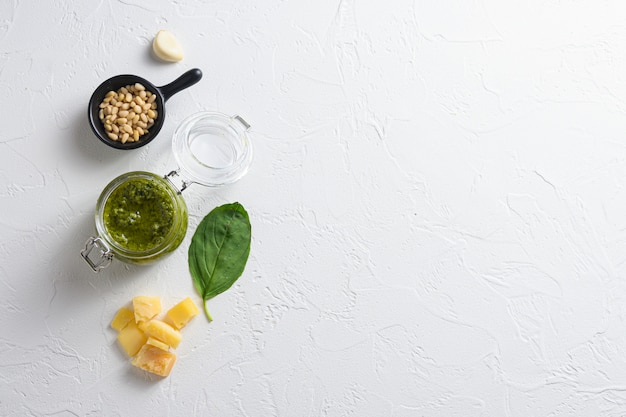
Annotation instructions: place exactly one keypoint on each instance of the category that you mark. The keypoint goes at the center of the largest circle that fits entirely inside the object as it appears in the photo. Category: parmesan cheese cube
(152, 359)
(157, 343)
(163, 332)
(142, 325)
(122, 318)
(179, 315)
(131, 338)
(146, 307)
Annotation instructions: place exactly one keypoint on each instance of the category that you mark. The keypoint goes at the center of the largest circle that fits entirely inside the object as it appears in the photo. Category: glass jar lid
(212, 149)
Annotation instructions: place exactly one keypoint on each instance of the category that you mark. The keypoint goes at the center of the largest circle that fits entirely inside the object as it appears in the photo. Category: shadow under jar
(140, 216)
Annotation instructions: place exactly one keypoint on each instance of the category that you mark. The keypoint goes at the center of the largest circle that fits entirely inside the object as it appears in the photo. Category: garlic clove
(166, 47)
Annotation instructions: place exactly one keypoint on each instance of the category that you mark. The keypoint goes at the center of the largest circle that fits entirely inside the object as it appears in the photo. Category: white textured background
(438, 202)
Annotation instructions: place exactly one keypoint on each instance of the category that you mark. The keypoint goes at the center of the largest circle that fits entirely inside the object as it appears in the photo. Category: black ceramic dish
(162, 93)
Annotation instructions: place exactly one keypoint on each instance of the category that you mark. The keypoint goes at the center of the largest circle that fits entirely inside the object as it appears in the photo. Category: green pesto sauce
(139, 214)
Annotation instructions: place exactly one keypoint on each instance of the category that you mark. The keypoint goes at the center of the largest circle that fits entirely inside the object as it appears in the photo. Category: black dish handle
(184, 81)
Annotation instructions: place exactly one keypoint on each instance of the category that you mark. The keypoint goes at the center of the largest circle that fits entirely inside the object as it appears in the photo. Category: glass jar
(212, 149)
(141, 216)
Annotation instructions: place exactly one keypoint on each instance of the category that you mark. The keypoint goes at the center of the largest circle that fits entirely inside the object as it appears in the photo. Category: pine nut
(128, 112)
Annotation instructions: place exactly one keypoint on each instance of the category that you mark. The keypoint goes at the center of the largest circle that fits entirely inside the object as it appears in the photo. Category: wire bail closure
(102, 257)
(170, 178)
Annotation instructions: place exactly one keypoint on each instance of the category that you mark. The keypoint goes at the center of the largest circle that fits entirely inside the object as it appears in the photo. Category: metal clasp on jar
(172, 176)
(102, 256)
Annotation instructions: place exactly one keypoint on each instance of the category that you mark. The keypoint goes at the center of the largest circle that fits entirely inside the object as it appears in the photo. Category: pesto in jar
(139, 214)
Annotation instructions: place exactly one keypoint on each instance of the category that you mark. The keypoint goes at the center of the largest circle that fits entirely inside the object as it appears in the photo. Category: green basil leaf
(219, 250)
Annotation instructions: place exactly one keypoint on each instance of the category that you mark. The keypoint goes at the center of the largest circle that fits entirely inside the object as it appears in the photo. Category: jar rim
(167, 240)
(204, 126)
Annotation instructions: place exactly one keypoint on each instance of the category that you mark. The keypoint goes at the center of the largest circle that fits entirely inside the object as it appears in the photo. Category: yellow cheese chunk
(142, 325)
(179, 315)
(146, 307)
(131, 338)
(163, 332)
(157, 343)
(152, 359)
(122, 318)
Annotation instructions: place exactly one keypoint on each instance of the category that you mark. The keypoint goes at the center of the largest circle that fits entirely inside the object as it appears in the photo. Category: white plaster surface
(438, 203)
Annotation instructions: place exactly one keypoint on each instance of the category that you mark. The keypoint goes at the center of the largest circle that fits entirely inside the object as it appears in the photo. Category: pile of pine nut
(128, 113)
